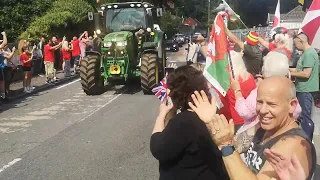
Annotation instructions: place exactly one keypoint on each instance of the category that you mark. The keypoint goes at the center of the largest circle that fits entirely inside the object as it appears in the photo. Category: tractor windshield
(125, 19)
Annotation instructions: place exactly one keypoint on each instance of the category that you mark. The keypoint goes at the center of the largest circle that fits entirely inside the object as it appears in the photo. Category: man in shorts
(49, 60)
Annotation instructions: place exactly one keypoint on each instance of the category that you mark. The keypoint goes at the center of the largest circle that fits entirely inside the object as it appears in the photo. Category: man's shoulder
(251, 48)
(310, 52)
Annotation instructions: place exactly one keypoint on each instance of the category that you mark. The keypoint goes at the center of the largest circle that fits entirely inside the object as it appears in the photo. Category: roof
(191, 22)
(295, 15)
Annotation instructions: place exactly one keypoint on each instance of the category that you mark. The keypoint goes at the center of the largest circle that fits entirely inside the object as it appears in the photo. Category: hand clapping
(222, 131)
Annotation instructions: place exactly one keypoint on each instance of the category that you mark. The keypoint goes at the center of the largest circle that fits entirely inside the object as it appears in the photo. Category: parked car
(172, 45)
(180, 39)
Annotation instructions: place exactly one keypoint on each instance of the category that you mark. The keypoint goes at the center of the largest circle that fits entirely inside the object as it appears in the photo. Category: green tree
(63, 15)
(169, 24)
(17, 14)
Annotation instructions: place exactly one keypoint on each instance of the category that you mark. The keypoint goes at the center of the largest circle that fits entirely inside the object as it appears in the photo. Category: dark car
(180, 39)
(172, 45)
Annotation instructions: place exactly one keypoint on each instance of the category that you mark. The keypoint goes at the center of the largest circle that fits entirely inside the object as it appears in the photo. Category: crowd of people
(52, 55)
(264, 129)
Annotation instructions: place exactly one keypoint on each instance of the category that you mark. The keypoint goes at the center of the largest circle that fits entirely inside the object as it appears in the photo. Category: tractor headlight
(121, 43)
(107, 44)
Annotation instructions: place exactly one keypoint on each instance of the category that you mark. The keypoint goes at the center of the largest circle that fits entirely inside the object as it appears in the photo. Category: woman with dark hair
(184, 146)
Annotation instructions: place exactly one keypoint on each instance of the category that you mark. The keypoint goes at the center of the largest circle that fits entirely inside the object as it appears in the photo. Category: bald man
(276, 102)
(307, 80)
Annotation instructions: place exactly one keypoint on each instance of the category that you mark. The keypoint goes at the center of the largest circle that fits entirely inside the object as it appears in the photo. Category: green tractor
(128, 47)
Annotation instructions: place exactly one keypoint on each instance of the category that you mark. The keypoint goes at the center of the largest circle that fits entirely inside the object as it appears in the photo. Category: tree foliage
(35, 18)
(63, 13)
(17, 14)
(169, 24)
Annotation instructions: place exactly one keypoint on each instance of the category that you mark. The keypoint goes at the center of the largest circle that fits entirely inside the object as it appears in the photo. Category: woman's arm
(246, 108)
(5, 41)
(264, 43)
(172, 140)
(11, 54)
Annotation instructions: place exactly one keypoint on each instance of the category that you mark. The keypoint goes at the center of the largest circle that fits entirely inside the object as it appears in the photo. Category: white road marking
(30, 118)
(10, 164)
(110, 101)
(68, 84)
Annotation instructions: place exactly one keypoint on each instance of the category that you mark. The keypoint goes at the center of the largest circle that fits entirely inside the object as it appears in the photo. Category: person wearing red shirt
(66, 56)
(26, 63)
(75, 49)
(49, 60)
(247, 84)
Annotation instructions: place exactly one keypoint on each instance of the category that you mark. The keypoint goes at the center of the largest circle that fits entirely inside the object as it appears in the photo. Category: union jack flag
(161, 89)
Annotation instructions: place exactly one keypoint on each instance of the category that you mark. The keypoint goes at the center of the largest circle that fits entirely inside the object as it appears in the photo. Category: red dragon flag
(217, 70)
(311, 24)
(276, 19)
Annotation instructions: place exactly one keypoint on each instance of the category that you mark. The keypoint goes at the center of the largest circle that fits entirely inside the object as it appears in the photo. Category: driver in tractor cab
(280, 41)
(132, 23)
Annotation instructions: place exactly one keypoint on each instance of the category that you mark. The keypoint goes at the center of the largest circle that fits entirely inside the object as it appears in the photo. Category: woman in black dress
(184, 147)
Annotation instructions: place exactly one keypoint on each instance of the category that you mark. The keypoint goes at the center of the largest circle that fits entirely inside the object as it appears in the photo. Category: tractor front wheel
(91, 80)
(149, 72)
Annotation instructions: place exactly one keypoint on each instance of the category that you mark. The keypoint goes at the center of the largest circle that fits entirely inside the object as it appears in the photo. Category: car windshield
(125, 19)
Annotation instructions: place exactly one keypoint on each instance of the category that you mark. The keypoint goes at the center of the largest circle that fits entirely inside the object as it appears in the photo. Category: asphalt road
(63, 134)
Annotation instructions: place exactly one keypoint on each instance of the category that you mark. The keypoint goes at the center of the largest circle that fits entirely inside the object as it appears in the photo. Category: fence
(262, 31)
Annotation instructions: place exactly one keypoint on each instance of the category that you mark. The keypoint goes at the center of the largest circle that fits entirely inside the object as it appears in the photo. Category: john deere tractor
(128, 47)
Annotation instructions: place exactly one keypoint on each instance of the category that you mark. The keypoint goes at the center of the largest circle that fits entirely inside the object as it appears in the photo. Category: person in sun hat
(252, 54)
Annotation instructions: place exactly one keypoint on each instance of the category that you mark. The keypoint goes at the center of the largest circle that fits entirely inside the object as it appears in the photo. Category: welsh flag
(217, 69)
(232, 16)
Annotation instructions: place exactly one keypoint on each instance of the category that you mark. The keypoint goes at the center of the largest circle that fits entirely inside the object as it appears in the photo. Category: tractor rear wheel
(91, 80)
(149, 72)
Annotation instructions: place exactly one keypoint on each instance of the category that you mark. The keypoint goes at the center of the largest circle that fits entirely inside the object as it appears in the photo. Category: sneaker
(31, 87)
(26, 90)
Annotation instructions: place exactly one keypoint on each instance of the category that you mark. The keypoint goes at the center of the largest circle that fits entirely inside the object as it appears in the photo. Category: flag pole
(228, 47)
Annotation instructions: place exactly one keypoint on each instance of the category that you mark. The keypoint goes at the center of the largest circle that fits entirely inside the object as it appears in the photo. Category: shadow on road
(15, 103)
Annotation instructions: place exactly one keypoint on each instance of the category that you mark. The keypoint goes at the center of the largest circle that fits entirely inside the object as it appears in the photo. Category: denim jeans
(306, 103)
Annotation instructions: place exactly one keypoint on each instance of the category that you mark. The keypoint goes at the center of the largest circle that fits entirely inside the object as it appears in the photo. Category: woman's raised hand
(204, 108)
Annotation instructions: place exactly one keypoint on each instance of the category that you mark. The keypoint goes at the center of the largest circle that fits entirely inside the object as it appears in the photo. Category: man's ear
(293, 105)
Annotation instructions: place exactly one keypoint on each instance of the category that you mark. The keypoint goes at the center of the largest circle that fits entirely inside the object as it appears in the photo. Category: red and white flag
(311, 24)
(276, 19)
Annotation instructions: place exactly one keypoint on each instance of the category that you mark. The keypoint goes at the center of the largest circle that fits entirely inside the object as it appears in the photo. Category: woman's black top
(186, 151)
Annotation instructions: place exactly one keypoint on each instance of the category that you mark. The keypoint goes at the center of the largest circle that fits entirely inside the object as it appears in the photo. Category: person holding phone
(26, 63)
